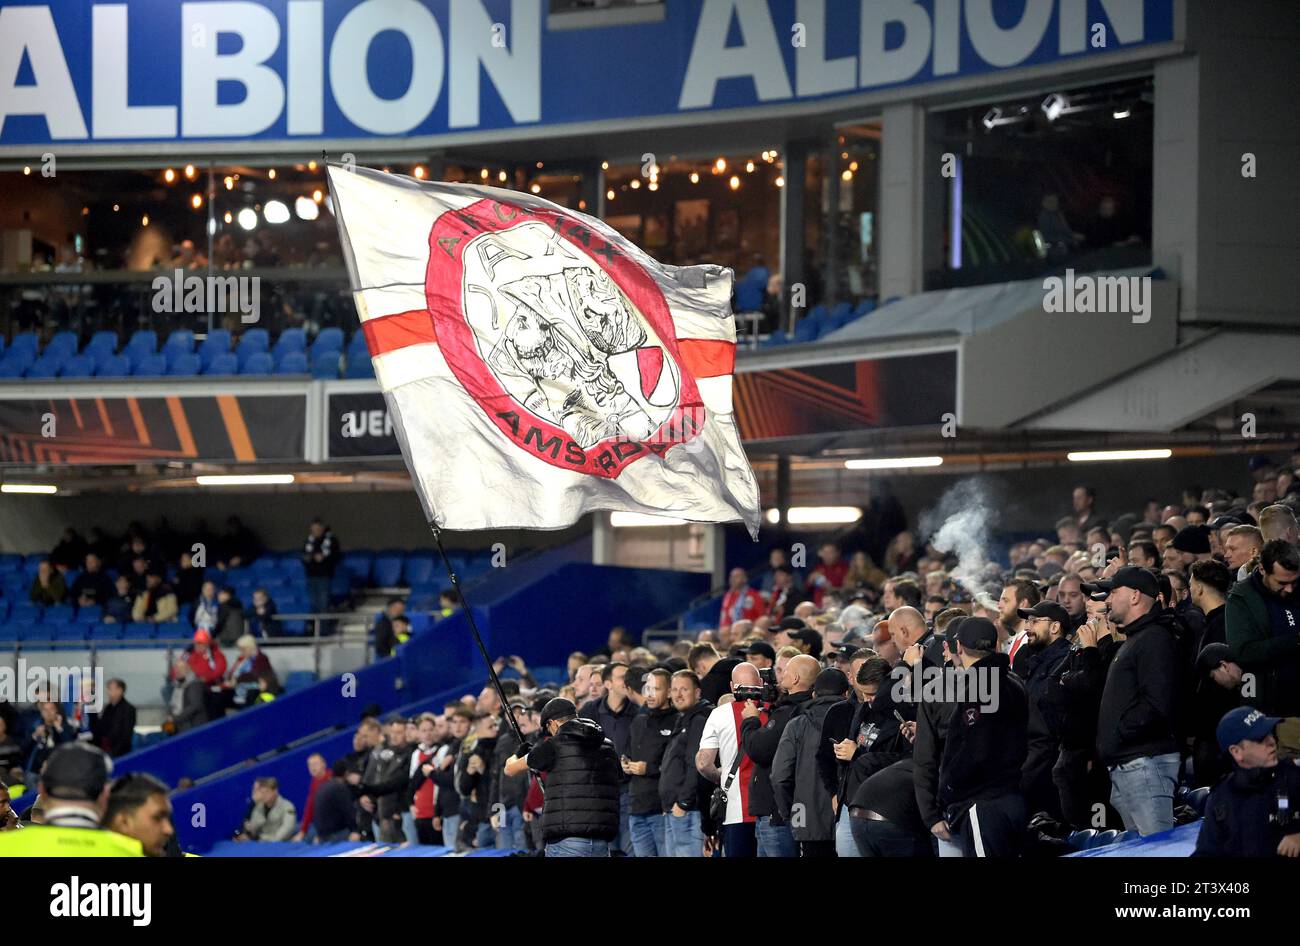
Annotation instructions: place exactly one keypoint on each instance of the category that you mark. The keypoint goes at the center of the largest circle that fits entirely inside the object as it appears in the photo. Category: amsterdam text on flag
(536, 364)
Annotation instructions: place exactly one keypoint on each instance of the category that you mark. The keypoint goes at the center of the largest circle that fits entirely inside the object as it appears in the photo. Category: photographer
(1255, 810)
(721, 761)
(580, 817)
(759, 741)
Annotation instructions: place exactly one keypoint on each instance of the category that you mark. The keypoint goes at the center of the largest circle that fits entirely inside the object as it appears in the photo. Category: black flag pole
(478, 639)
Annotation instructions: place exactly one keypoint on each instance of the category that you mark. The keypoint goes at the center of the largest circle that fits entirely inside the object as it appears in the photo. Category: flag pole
(478, 639)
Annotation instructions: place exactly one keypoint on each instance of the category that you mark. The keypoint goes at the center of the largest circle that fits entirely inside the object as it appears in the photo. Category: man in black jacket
(320, 556)
(979, 776)
(651, 732)
(1220, 687)
(383, 786)
(858, 739)
(759, 742)
(1139, 704)
(1243, 815)
(1081, 781)
(472, 782)
(581, 816)
(932, 712)
(798, 792)
(1047, 624)
(114, 727)
(614, 713)
(682, 790)
(1136, 721)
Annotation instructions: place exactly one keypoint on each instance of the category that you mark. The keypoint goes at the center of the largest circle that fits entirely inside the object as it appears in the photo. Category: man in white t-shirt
(719, 750)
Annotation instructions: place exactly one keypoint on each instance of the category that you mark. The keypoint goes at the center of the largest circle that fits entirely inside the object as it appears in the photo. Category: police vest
(50, 841)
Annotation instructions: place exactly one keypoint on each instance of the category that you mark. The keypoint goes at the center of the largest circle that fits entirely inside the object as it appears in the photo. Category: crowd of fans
(929, 705)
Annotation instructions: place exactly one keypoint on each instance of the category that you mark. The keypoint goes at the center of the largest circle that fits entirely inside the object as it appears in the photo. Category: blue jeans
(624, 840)
(647, 835)
(845, 846)
(510, 836)
(408, 828)
(774, 840)
(450, 826)
(484, 836)
(577, 847)
(1142, 791)
(684, 836)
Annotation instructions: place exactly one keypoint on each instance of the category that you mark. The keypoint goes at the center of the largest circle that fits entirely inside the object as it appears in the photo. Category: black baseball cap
(1195, 540)
(1130, 576)
(977, 634)
(1211, 655)
(76, 771)
(762, 648)
(1218, 522)
(831, 682)
(810, 637)
(557, 708)
(790, 624)
(1046, 609)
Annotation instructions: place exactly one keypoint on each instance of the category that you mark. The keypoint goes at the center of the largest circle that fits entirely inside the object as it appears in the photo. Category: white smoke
(960, 524)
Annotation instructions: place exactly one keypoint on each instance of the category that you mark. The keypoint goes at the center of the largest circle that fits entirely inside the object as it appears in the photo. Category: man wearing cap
(1263, 627)
(581, 814)
(801, 797)
(651, 732)
(1219, 688)
(984, 752)
(1139, 705)
(759, 739)
(1037, 664)
(1255, 810)
(206, 659)
(759, 653)
(74, 790)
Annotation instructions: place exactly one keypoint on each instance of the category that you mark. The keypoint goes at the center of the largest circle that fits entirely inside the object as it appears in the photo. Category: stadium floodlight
(992, 118)
(892, 463)
(248, 218)
(1121, 113)
(624, 520)
(1093, 456)
(248, 479)
(1054, 106)
(306, 208)
(41, 489)
(275, 212)
(816, 515)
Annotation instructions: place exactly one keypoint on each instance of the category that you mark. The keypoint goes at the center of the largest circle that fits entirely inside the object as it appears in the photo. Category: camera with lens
(767, 692)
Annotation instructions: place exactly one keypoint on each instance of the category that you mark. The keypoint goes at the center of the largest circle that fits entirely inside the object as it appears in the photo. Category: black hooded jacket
(759, 741)
(984, 751)
(652, 730)
(582, 787)
(680, 783)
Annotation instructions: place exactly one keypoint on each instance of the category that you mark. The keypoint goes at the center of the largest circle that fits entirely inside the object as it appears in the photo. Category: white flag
(536, 364)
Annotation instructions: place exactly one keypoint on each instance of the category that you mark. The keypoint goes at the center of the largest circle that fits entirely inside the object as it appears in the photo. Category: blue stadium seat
(150, 366)
(357, 343)
(359, 366)
(37, 632)
(1102, 838)
(257, 363)
(298, 679)
(291, 362)
(417, 568)
(1197, 799)
(254, 340)
(114, 366)
(291, 339)
(9, 632)
(102, 342)
(12, 367)
(328, 339)
(863, 307)
(63, 343)
(68, 631)
(4, 608)
(387, 570)
(143, 340)
(183, 365)
(90, 613)
(180, 340)
(25, 342)
(216, 343)
(357, 565)
(46, 366)
(222, 364)
(57, 614)
(175, 631)
(325, 364)
(78, 366)
(102, 633)
(140, 630)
